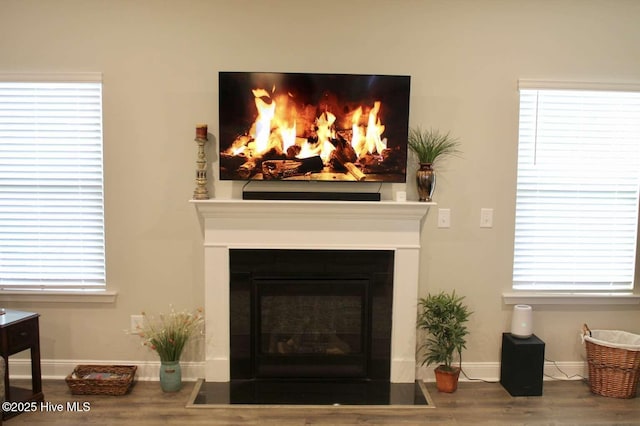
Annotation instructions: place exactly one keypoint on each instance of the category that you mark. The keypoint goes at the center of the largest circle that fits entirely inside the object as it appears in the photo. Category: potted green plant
(443, 317)
(429, 146)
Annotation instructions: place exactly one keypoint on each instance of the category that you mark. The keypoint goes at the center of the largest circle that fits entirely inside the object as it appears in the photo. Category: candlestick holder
(201, 192)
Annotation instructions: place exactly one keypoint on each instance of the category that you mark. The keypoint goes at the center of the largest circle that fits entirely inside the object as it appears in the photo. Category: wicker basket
(101, 379)
(614, 362)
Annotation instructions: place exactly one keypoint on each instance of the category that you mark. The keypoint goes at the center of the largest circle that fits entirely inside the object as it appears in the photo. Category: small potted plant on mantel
(429, 146)
(443, 316)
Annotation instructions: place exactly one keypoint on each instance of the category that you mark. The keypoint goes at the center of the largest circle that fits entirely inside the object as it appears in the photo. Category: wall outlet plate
(136, 324)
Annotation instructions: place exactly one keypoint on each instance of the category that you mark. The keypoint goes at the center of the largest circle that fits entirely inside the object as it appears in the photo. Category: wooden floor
(563, 403)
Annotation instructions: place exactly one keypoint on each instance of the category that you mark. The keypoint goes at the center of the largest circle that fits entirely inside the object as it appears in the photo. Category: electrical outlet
(486, 218)
(136, 324)
(444, 218)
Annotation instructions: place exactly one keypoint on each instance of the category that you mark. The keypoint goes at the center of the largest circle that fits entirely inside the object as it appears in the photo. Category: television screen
(324, 127)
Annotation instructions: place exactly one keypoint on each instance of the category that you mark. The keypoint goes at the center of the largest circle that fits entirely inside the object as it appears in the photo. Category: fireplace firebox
(310, 314)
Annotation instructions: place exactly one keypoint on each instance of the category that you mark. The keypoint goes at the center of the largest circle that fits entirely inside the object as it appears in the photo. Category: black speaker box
(522, 365)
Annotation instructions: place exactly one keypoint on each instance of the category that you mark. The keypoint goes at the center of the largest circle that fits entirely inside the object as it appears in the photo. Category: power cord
(472, 378)
(477, 380)
(555, 364)
(566, 376)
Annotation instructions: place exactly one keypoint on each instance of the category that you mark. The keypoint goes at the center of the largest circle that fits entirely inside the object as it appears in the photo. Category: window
(51, 185)
(577, 189)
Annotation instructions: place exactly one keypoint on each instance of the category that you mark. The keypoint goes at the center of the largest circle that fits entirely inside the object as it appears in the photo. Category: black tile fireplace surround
(311, 327)
(310, 314)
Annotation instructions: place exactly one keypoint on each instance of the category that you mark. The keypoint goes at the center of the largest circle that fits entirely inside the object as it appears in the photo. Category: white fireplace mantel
(339, 225)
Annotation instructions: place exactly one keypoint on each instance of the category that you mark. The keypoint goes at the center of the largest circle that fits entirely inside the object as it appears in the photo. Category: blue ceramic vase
(170, 376)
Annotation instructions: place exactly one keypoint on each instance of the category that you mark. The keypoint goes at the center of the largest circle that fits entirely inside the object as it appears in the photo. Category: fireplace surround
(229, 224)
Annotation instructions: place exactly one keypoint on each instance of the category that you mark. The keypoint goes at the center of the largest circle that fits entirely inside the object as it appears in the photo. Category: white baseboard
(59, 369)
(490, 371)
(191, 371)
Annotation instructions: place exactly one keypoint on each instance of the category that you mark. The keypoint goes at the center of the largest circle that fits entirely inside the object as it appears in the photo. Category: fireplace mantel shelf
(408, 210)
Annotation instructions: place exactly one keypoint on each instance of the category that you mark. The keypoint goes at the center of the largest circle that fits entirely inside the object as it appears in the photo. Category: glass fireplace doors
(311, 328)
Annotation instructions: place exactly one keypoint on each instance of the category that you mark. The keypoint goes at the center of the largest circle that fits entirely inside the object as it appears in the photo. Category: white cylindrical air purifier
(522, 321)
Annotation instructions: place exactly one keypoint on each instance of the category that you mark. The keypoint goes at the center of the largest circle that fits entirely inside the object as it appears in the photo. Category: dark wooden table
(20, 331)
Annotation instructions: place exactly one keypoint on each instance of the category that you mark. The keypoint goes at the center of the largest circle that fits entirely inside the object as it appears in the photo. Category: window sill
(541, 298)
(59, 296)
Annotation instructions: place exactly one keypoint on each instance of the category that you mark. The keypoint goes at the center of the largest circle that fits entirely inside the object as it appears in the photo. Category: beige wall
(160, 61)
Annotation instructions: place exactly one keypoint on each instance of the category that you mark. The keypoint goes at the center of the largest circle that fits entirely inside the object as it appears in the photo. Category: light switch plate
(486, 218)
(444, 218)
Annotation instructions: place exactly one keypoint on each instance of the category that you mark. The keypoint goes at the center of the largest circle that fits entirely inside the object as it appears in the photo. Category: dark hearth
(266, 392)
(311, 314)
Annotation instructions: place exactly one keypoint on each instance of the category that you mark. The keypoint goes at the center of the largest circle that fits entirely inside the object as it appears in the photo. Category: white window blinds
(51, 186)
(577, 190)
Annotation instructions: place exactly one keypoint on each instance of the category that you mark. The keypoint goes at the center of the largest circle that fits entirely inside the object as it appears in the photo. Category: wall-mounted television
(314, 127)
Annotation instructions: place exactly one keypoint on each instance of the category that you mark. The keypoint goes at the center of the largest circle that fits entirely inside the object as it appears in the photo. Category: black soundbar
(311, 196)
